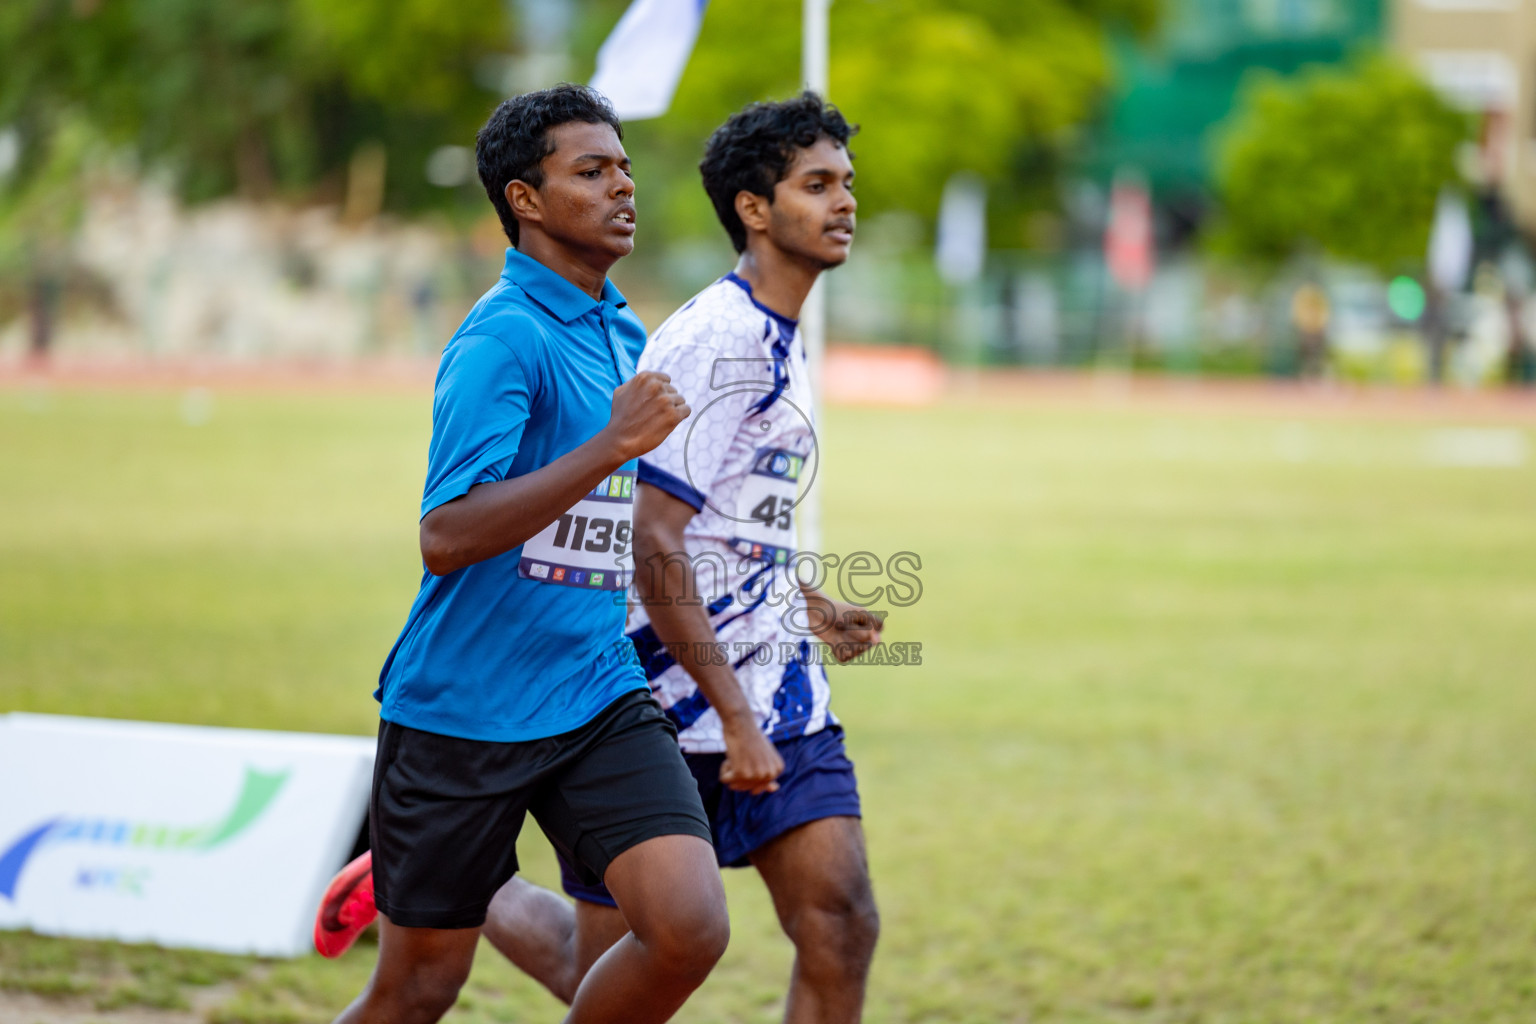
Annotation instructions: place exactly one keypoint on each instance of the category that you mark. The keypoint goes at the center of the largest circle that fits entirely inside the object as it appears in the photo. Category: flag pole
(813, 315)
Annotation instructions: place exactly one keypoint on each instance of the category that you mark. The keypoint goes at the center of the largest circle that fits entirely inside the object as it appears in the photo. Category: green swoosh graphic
(259, 790)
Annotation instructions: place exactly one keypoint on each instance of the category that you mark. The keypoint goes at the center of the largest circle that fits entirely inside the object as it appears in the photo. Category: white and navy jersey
(742, 460)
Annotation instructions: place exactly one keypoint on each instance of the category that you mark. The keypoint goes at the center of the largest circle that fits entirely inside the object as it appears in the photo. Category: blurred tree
(38, 218)
(988, 86)
(1347, 160)
(256, 96)
(292, 97)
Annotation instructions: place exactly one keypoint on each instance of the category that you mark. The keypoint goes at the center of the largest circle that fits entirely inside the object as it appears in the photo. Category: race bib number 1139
(588, 545)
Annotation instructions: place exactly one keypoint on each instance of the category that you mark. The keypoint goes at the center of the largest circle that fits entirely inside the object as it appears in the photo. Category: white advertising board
(219, 839)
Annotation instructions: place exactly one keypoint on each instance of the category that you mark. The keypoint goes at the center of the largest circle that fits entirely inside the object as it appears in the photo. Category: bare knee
(689, 940)
(420, 995)
(836, 933)
(670, 893)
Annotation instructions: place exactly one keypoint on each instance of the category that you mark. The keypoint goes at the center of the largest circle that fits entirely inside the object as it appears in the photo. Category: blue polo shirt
(487, 654)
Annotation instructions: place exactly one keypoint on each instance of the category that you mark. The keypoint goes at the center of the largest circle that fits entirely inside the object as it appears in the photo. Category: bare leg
(598, 928)
(669, 890)
(547, 939)
(536, 930)
(418, 976)
(818, 876)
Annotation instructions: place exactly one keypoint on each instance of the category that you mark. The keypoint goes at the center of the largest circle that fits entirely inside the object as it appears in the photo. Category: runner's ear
(752, 209)
(523, 198)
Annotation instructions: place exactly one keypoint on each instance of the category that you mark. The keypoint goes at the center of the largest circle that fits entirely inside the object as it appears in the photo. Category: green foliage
(979, 85)
(42, 211)
(410, 55)
(1347, 160)
(941, 90)
(274, 97)
(49, 202)
(259, 96)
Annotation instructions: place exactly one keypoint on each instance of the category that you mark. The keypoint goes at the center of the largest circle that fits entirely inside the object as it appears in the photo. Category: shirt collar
(787, 326)
(560, 297)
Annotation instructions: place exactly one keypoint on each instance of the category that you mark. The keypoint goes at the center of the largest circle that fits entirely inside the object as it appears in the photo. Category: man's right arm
(664, 577)
(495, 517)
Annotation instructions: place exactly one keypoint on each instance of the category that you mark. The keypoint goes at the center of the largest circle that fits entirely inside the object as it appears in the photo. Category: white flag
(961, 246)
(643, 58)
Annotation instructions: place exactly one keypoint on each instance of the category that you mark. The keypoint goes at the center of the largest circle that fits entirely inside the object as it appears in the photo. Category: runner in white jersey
(741, 462)
(723, 629)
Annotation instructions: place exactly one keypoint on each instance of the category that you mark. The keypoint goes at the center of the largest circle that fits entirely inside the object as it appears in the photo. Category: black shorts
(818, 782)
(446, 812)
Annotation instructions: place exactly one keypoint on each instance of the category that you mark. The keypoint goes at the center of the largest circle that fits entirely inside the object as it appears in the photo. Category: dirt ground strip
(26, 1008)
(363, 376)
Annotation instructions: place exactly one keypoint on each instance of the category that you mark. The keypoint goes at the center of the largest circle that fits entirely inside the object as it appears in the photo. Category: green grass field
(1220, 719)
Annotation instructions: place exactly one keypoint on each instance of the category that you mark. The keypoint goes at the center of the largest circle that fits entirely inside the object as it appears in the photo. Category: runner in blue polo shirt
(512, 688)
(534, 341)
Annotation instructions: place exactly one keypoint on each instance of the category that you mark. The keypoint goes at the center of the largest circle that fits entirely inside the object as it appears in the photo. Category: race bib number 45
(765, 506)
(588, 546)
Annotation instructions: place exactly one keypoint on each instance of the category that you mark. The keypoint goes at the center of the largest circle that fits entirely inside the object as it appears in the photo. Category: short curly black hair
(514, 142)
(752, 151)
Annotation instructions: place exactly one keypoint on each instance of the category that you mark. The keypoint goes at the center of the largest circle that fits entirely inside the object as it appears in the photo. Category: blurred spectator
(1309, 315)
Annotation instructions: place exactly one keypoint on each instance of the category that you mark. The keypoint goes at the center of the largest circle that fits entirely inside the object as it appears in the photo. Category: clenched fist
(645, 409)
(752, 763)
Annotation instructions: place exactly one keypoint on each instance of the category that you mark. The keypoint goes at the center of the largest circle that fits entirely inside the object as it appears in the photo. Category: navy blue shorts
(818, 782)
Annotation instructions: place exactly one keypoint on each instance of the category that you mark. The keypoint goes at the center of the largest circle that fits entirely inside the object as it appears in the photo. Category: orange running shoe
(346, 909)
